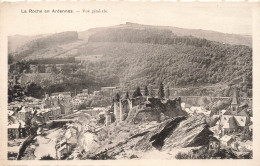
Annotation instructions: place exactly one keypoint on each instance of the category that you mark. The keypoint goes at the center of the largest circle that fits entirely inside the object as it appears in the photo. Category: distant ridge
(234, 39)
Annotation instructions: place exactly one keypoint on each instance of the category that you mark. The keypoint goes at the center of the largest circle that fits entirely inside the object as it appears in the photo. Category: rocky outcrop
(157, 137)
(170, 135)
(177, 133)
(190, 133)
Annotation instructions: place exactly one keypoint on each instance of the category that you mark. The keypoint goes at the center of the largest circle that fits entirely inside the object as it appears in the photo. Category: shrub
(48, 157)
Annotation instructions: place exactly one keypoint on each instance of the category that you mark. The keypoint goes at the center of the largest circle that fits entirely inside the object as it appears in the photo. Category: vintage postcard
(129, 83)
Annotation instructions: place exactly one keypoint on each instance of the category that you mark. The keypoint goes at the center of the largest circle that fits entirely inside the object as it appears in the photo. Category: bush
(182, 156)
(48, 157)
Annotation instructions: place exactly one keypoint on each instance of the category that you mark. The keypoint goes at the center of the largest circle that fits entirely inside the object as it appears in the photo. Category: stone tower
(117, 110)
(108, 118)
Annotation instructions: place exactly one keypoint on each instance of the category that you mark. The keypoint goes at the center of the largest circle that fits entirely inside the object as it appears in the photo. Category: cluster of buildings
(53, 107)
(230, 124)
(37, 112)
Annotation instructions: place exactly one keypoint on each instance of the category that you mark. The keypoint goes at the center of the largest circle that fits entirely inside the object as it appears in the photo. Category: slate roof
(226, 138)
(241, 120)
(231, 123)
(243, 113)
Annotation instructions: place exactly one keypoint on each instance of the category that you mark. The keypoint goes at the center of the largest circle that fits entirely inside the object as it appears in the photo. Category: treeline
(53, 61)
(147, 36)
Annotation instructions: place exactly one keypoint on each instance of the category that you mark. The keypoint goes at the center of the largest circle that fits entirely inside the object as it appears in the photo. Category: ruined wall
(152, 109)
(123, 107)
(173, 108)
(137, 101)
(155, 110)
(146, 115)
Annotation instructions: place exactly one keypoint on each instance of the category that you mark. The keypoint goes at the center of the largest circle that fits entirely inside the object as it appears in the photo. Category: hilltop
(234, 39)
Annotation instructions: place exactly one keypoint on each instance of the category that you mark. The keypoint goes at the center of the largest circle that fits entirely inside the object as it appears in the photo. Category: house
(226, 140)
(241, 118)
(82, 96)
(16, 130)
(61, 95)
(63, 148)
(66, 107)
(217, 129)
(222, 112)
(12, 152)
(55, 113)
(77, 102)
(230, 125)
(24, 114)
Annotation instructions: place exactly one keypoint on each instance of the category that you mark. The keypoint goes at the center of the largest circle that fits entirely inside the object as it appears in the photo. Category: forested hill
(147, 56)
(136, 55)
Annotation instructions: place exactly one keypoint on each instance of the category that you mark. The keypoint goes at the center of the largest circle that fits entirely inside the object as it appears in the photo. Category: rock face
(170, 135)
(157, 137)
(190, 133)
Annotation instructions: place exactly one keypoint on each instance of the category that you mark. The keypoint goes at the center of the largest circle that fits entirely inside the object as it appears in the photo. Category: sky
(235, 19)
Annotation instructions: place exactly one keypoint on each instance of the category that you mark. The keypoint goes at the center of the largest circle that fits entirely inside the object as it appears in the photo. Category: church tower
(234, 103)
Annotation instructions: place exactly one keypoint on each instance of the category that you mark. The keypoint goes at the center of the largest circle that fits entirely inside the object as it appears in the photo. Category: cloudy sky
(225, 18)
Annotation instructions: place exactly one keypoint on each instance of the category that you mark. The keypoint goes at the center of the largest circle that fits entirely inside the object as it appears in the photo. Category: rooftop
(231, 123)
(226, 138)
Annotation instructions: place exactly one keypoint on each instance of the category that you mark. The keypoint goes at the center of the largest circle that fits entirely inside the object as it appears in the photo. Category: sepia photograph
(129, 81)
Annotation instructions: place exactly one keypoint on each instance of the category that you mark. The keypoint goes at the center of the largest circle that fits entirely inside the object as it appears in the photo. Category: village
(232, 128)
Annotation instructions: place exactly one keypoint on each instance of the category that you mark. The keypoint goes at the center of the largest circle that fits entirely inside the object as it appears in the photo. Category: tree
(117, 97)
(161, 91)
(167, 92)
(137, 92)
(127, 95)
(146, 92)
(34, 90)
